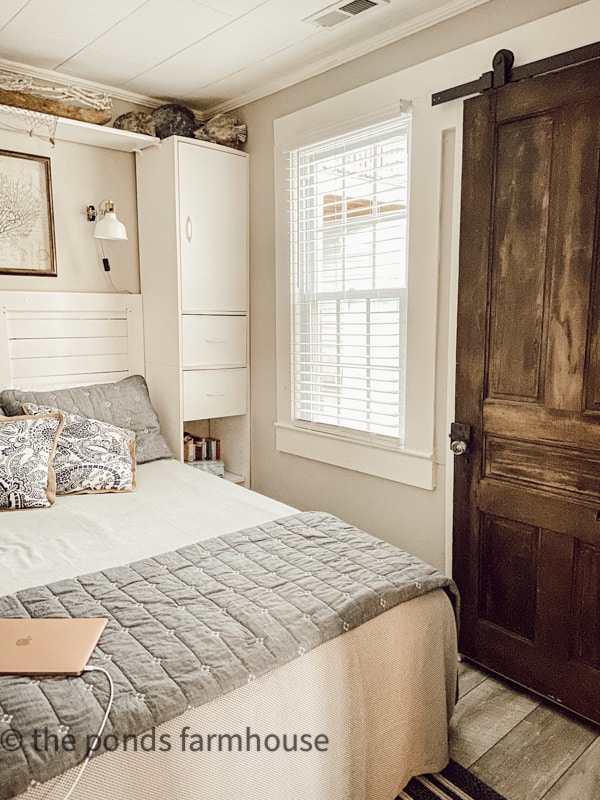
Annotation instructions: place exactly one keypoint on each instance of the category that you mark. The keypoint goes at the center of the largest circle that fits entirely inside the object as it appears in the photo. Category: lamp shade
(108, 226)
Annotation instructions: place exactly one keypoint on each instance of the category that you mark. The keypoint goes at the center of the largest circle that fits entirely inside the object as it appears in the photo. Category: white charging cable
(92, 745)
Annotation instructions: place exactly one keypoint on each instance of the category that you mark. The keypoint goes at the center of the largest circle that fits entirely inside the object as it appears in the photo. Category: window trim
(394, 464)
(413, 463)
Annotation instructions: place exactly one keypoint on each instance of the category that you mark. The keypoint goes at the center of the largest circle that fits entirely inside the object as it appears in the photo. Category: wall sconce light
(107, 224)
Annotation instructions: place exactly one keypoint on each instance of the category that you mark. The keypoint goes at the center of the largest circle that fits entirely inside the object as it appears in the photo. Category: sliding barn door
(527, 491)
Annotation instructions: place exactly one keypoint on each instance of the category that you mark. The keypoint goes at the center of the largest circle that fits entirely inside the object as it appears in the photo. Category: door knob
(460, 435)
(458, 447)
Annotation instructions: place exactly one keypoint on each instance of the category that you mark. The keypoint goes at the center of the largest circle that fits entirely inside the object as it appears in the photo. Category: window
(348, 236)
(357, 280)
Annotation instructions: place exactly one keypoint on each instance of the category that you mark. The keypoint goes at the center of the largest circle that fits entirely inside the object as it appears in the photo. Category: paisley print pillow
(91, 456)
(27, 446)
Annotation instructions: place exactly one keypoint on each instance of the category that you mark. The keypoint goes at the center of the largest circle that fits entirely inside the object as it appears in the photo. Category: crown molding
(366, 45)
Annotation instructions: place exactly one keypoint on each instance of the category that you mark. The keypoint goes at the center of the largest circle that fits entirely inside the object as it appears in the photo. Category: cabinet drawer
(214, 393)
(213, 341)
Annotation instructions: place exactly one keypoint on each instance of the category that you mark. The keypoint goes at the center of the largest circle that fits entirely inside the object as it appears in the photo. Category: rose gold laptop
(48, 646)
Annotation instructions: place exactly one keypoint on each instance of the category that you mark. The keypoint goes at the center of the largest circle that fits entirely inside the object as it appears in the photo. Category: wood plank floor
(520, 745)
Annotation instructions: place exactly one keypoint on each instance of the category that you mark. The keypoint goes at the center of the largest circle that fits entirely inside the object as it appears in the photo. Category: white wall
(81, 175)
(413, 518)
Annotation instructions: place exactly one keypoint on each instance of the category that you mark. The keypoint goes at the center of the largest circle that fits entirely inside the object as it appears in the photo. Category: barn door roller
(502, 71)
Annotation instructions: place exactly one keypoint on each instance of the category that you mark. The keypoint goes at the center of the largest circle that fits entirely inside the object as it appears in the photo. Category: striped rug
(453, 783)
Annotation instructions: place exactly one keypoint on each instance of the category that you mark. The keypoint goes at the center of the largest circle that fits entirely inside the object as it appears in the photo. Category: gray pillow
(125, 403)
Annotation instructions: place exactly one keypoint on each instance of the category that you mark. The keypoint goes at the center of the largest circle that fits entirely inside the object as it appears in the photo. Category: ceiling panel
(8, 9)
(225, 52)
(288, 60)
(276, 15)
(33, 47)
(235, 8)
(161, 86)
(97, 65)
(155, 31)
(63, 18)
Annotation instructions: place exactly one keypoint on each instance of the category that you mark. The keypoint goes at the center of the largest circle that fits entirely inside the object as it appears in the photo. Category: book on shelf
(213, 448)
(201, 448)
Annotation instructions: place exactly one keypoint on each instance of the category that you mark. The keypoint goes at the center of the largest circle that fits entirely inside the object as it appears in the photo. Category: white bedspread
(173, 505)
(382, 693)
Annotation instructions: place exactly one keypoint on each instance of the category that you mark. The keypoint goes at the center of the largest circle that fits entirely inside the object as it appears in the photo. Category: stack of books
(203, 452)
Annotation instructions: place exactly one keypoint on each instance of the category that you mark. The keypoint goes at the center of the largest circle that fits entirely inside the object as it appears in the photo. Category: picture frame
(27, 242)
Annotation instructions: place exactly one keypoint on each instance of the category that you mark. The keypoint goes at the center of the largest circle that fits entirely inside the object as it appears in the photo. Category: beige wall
(81, 175)
(412, 518)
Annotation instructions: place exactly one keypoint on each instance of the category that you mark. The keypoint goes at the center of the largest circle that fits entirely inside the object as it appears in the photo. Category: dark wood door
(527, 493)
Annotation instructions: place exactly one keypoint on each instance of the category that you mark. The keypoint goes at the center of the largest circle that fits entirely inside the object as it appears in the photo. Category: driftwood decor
(72, 102)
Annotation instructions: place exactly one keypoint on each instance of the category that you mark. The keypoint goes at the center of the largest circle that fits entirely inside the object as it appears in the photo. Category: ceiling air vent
(340, 12)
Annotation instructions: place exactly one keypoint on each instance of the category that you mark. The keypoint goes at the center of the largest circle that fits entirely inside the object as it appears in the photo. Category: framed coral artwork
(27, 244)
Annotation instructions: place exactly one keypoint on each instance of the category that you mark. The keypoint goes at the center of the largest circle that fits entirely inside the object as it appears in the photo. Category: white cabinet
(212, 223)
(193, 228)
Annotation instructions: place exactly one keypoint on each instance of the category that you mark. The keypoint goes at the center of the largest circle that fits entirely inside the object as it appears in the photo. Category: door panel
(543, 466)
(519, 257)
(586, 642)
(527, 495)
(508, 570)
(592, 372)
(571, 248)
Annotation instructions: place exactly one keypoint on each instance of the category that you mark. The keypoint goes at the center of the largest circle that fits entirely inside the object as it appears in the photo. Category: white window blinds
(348, 245)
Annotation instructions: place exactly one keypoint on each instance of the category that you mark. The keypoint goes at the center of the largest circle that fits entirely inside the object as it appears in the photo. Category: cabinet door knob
(188, 228)
(214, 341)
(215, 394)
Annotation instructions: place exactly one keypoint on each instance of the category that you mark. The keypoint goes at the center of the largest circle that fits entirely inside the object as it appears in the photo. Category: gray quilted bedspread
(192, 624)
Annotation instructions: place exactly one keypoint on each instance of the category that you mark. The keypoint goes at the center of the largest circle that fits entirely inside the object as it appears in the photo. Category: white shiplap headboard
(58, 339)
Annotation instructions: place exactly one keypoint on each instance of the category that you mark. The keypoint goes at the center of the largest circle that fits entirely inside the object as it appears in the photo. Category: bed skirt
(381, 695)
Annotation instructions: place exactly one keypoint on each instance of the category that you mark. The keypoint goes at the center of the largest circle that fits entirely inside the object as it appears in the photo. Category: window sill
(402, 466)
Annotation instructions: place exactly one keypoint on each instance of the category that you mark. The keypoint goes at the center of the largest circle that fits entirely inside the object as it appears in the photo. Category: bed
(382, 692)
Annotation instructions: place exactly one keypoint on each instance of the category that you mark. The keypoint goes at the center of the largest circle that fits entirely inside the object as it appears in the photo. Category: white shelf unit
(193, 229)
(72, 130)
